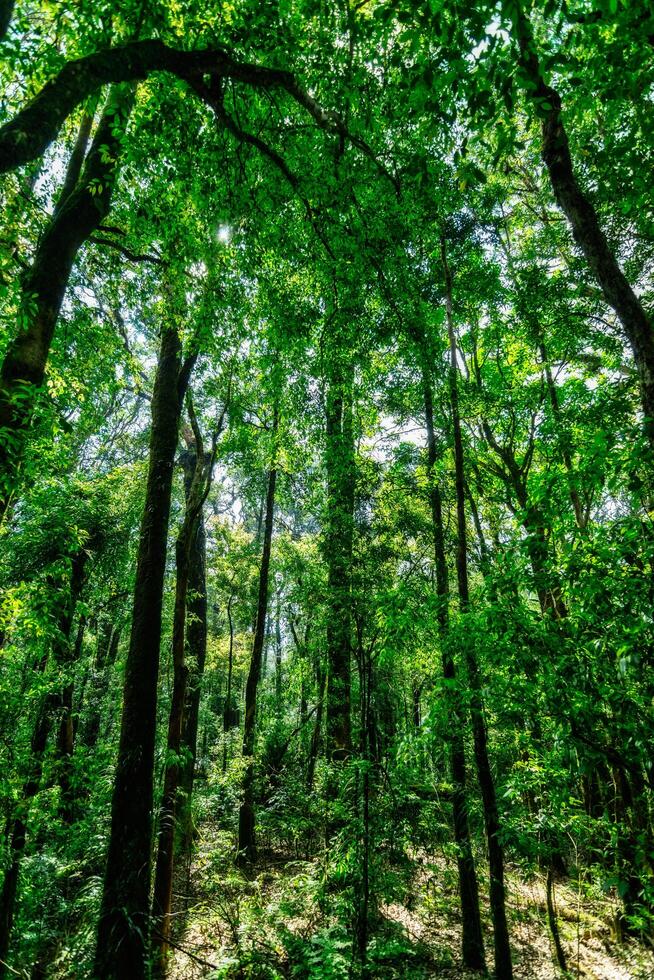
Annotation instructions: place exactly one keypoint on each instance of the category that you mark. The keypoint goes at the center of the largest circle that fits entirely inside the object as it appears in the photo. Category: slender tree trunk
(123, 928)
(106, 653)
(44, 284)
(472, 937)
(502, 948)
(634, 842)
(76, 162)
(582, 216)
(196, 640)
(81, 690)
(363, 911)
(563, 440)
(532, 322)
(18, 832)
(317, 728)
(278, 661)
(6, 12)
(416, 713)
(246, 819)
(552, 922)
(228, 711)
(164, 868)
(481, 537)
(46, 716)
(66, 734)
(338, 548)
(304, 707)
(547, 586)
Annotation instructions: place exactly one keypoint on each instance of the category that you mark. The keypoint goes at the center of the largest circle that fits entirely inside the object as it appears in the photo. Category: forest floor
(270, 925)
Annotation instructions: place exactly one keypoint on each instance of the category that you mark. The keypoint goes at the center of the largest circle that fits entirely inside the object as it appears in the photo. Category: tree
(378, 625)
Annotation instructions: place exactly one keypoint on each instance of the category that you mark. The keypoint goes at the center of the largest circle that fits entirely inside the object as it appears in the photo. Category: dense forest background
(326, 489)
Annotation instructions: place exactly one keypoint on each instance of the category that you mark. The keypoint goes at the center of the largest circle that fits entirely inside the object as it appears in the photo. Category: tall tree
(246, 817)
(84, 203)
(339, 452)
(123, 929)
(503, 962)
(163, 879)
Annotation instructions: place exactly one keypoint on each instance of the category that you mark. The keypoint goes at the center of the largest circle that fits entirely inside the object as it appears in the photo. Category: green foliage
(314, 243)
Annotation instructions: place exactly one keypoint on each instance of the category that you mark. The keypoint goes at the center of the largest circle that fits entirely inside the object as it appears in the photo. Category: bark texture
(46, 716)
(583, 218)
(6, 12)
(338, 553)
(164, 868)
(43, 286)
(196, 644)
(246, 819)
(502, 948)
(472, 935)
(123, 928)
(31, 131)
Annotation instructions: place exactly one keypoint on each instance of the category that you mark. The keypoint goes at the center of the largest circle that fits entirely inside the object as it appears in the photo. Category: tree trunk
(6, 12)
(583, 218)
(278, 661)
(60, 655)
(123, 929)
(552, 922)
(66, 734)
(105, 657)
(246, 819)
(228, 711)
(548, 587)
(365, 742)
(532, 322)
(317, 728)
(78, 214)
(32, 130)
(163, 879)
(503, 965)
(563, 440)
(472, 938)
(196, 643)
(18, 833)
(338, 549)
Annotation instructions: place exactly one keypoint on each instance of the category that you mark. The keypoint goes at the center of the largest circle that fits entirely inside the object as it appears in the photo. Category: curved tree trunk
(78, 214)
(32, 130)
(583, 218)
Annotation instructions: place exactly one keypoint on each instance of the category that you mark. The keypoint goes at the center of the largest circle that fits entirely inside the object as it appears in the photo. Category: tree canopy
(327, 488)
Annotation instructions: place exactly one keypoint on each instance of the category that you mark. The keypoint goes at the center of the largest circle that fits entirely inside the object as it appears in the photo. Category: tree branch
(127, 252)
(31, 131)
